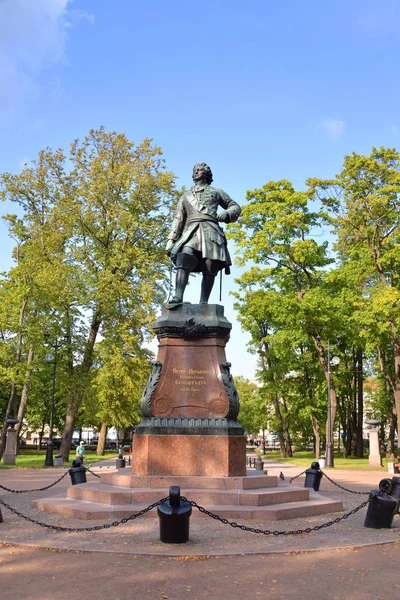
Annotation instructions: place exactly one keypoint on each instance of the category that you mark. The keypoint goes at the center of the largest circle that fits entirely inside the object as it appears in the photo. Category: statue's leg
(209, 272)
(185, 263)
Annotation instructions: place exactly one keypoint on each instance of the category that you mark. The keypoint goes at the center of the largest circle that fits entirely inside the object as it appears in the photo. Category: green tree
(275, 230)
(364, 201)
(97, 220)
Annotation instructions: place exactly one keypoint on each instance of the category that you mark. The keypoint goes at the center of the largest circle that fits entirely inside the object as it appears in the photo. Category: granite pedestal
(190, 404)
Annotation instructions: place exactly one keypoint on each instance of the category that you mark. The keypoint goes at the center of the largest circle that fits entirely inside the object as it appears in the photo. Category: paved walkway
(207, 537)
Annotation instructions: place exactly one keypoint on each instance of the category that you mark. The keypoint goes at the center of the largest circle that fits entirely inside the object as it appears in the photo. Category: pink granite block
(247, 483)
(189, 455)
(104, 494)
(213, 498)
(73, 508)
(186, 482)
(117, 479)
(273, 496)
(297, 509)
(148, 496)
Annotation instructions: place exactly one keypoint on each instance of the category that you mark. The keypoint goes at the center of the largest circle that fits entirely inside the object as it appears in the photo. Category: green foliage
(90, 264)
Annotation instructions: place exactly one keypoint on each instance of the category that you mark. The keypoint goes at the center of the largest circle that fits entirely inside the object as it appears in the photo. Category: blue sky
(260, 90)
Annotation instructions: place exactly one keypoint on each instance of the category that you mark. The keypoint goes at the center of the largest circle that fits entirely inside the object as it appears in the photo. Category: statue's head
(201, 171)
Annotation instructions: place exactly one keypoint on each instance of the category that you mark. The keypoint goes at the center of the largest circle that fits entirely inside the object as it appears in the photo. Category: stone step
(111, 494)
(253, 480)
(103, 494)
(80, 509)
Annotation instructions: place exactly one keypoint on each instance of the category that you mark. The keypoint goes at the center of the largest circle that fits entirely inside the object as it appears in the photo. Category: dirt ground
(369, 573)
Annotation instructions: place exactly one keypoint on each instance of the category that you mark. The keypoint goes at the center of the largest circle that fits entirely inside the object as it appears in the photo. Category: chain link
(292, 532)
(3, 487)
(92, 473)
(77, 529)
(296, 476)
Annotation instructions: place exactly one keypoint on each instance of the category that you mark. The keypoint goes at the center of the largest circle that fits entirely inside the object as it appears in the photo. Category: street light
(329, 438)
(56, 346)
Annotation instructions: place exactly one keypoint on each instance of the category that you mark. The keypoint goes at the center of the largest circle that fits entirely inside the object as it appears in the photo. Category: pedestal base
(375, 460)
(10, 453)
(205, 455)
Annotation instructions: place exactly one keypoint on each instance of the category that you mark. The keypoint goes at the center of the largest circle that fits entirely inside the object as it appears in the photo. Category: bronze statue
(196, 242)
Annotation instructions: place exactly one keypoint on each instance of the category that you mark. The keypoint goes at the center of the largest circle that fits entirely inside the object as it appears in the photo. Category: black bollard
(396, 490)
(258, 464)
(120, 462)
(77, 472)
(1, 517)
(313, 477)
(174, 517)
(381, 509)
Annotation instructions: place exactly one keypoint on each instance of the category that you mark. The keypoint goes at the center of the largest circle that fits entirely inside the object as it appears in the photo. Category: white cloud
(333, 128)
(33, 35)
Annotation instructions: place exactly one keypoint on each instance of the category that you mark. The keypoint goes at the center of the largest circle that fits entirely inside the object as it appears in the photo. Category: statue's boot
(182, 276)
(207, 284)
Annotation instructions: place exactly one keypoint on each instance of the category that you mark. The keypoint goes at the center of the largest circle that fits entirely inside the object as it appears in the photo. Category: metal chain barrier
(296, 476)
(92, 473)
(77, 529)
(3, 487)
(294, 532)
(331, 480)
(343, 488)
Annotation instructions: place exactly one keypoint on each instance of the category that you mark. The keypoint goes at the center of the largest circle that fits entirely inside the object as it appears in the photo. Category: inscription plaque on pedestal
(190, 404)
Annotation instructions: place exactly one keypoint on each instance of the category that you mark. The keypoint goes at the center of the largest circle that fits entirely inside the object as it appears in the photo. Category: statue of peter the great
(196, 242)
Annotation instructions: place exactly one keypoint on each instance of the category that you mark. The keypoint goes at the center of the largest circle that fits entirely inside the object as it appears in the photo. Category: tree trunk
(397, 381)
(392, 428)
(354, 425)
(101, 444)
(360, 404)
(317, 435)
(283, 431)
(76, 397)
(24, 394)
(391, 409)
(333, 401)
(13, 393)
(286, 434)
(69, 428)
(283, 424)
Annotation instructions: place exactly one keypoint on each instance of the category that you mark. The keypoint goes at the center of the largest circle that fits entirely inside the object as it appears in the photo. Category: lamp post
(56, 346)
(329, 437)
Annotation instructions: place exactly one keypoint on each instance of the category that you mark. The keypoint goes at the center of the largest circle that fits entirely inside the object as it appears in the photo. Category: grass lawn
(304, 459)
(34, 459)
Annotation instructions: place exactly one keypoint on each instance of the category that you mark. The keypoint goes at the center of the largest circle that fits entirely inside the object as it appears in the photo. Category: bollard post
(120, 462)
(174, 515)
(313, 477)
(258, 464)
(1, 517)
(77, 472)
(396, 490)
(382, 507)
